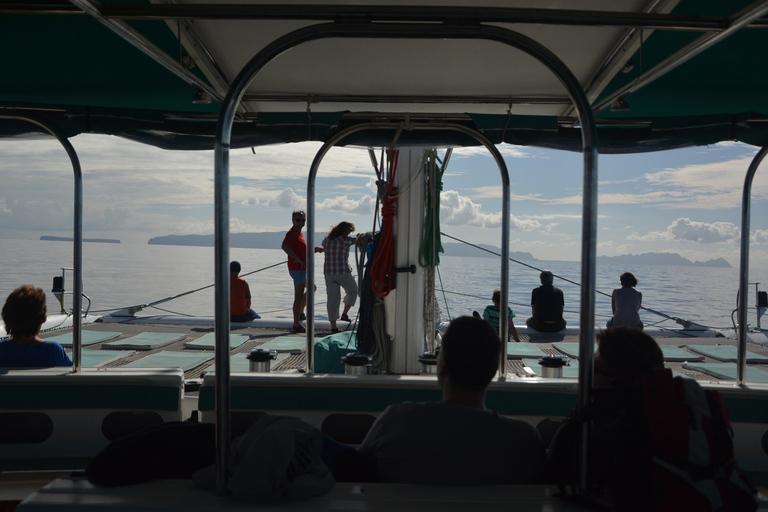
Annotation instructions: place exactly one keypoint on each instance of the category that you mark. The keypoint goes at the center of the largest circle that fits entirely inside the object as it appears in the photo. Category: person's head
(299, 217)
(496, 297)
(547, 277)
(623, 355)
(234, 267)
(469, 354)
(341, 229)
(628, 279)
(24, 311)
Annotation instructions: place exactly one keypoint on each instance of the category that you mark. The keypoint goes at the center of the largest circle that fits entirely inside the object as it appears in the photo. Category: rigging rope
(668, 317)
(383, 261)
(681, 321)
(431, 246)
(168, 299)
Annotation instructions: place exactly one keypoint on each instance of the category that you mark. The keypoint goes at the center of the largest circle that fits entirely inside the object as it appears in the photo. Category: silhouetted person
(457, 441)
(239, 296)
(547, 304)
(492, 313)
(24, 313)
(626, 303)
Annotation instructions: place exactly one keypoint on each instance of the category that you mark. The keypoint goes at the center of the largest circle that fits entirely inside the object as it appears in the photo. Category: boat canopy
(659, 74)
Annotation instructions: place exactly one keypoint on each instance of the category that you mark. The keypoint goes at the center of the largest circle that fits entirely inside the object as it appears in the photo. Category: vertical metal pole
(77, 236)
(504, 305)
(741, 359)
(311, 262)
(221, 322)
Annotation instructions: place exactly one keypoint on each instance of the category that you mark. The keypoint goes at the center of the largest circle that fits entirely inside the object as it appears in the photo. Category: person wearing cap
(239, 296)
(547, 304)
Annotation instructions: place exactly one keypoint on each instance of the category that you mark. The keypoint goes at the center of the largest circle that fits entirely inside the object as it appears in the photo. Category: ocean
(117, 276)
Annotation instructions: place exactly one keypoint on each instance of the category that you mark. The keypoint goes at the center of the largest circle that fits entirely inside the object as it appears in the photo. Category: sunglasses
(300, 219)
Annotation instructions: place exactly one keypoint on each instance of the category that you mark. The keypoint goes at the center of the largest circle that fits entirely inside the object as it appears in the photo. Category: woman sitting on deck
(24, 313)
(626, 303)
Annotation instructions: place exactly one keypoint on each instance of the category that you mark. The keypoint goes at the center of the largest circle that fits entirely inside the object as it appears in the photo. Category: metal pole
(77, 236)
(741, 359)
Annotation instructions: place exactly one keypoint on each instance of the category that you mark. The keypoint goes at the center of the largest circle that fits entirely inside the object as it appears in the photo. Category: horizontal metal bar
(330, 98)
(739, 21)
(409, 13)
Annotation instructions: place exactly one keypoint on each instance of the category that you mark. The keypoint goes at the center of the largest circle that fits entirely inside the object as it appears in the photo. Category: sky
(683, 201)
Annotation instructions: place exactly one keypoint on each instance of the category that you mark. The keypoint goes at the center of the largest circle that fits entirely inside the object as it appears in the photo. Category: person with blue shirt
(492, 313)
(24, 313)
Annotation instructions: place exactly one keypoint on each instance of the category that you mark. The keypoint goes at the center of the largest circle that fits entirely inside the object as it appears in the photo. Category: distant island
(273, 240)
(660, 258)
(70, 239)
(269, 240)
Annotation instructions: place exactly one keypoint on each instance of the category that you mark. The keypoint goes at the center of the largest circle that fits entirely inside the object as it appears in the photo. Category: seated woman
(626, 303)
(24, 313)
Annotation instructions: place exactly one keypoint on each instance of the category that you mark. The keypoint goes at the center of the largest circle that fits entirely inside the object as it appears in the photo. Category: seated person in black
(619, 445)
(547, 305)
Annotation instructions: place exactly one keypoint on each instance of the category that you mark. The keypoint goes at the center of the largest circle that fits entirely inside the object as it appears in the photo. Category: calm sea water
(121, 275)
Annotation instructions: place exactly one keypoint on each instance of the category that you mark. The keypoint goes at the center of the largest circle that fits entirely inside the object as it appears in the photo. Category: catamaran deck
(679, 347)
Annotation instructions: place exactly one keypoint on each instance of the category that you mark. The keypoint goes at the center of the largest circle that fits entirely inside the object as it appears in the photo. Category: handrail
(77, 236)
(395, 31)
(746, 203)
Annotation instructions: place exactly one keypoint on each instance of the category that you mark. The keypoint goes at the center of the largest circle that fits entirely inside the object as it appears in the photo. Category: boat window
(24, 427)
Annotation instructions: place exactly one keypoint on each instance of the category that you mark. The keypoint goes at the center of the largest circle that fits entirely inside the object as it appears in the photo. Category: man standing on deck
(547, 304)
(457, 441)
(239, 296)
(295, 247)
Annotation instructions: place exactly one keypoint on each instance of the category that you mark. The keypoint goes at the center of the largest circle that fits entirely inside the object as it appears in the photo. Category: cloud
(686, 230)
(506, 150)
(494, 192)
(287, 199)
(461, 211)
(760, 236)
(251, 201)
(711, 186)
(363, 206)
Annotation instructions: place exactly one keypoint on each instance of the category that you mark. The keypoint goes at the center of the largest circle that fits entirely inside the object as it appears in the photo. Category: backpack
(665, 446)
(693, 465)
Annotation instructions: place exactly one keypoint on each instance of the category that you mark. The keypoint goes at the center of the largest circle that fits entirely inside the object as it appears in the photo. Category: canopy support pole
(746, 203)
(77, 235)
(396, 31)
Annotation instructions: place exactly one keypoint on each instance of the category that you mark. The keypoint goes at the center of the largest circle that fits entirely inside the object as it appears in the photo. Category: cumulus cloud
(363, 206)
(458, 210)
(686, 230)
(287, 199)
(251, 201)
(760, 236)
